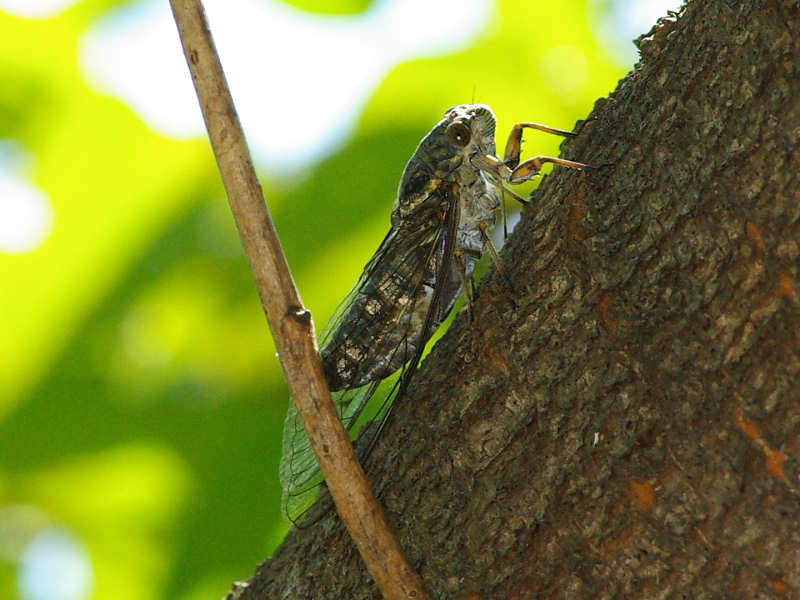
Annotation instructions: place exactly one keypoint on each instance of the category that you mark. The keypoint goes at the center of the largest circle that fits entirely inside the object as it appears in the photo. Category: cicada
(447, 202)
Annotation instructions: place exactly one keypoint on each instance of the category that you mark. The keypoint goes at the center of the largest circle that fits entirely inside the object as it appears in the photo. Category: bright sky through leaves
(314, 75)
(34, 8)
(299, 108)
(26, 216)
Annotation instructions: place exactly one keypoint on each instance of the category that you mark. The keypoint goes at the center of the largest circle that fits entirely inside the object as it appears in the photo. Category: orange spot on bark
(754, 233)
(575, 215)
(499, 362)
(780, 587)
(775, 460)
(786, 287)
(641, 495)
(745, 425)
(605, 311)
(574, 222)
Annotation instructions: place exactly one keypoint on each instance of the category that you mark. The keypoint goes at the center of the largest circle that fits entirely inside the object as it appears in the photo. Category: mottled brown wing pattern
(381, 326)
(390, 301)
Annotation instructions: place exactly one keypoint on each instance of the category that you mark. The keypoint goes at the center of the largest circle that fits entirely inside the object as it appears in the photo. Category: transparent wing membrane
(299, 471)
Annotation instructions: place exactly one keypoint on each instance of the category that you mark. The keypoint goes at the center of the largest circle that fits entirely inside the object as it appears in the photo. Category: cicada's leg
(503, 210)
(499, 172)
(495, 256)
(514, 144)
(462, 275)
(530, 168)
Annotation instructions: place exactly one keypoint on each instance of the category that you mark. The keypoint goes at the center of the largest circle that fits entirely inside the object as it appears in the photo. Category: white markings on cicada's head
(484, 123)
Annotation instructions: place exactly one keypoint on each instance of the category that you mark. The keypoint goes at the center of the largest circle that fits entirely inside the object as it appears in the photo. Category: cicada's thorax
(478, 204)
(475, 194)
(385, 323)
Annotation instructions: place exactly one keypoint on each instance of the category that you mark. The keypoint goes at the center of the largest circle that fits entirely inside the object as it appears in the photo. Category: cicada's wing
(383, 324)
(299, 472)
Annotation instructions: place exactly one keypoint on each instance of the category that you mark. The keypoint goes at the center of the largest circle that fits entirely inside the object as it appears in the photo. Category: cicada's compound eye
(458, 134)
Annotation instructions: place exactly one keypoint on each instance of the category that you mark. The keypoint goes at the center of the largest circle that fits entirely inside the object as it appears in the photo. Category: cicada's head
(464, 132)
(446, 154)
(470, 127)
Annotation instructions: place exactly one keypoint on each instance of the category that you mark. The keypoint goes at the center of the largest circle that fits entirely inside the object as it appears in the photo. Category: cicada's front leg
(510, 171)
(519, 173)
(531, 167)
(514, 143)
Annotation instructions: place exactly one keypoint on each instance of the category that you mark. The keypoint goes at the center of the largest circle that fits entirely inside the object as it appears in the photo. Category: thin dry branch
(289, 321)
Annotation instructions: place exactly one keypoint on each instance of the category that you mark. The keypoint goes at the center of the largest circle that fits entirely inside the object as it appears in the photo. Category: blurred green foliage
(141, 402)
(332, 7)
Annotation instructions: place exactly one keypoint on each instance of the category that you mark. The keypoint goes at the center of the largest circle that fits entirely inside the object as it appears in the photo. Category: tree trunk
(625, 423)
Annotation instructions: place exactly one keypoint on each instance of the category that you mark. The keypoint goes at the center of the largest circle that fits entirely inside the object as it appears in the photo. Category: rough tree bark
(627, 423)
